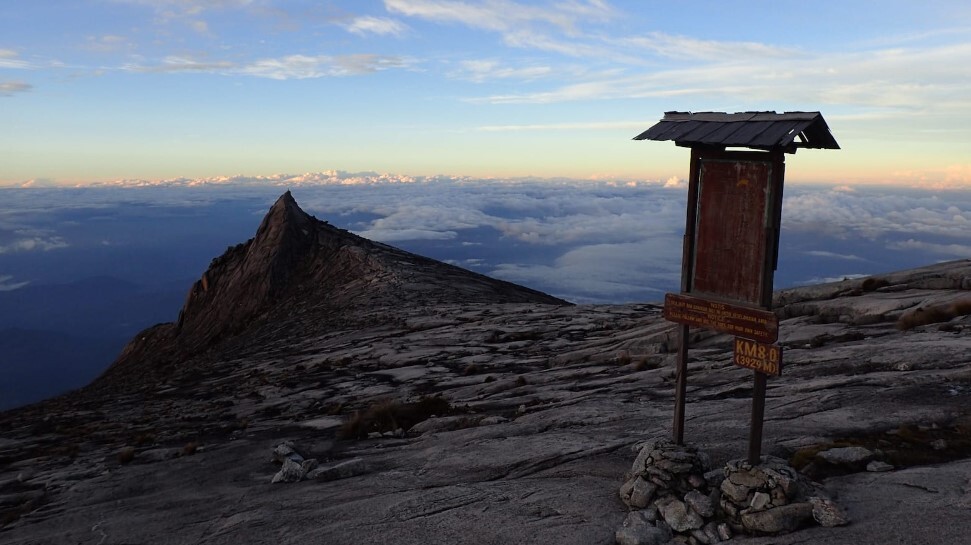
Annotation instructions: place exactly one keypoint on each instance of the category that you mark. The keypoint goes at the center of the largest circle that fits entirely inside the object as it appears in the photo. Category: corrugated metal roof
(760, 130)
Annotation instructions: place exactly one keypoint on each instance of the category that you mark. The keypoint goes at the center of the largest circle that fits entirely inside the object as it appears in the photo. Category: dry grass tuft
(126, 455)
(144, 439)
(623, 357)
(645, 363)
(333, 409)
(874, 283)
(388, 415)
(934, 314)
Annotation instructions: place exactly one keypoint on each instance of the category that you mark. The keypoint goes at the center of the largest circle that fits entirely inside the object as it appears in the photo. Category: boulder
(642, 493)
(290, 472)
(286, 450)
(642, 535)
(786, 518)
(734, 492)
(627, 488)
(827, 513)
(639, 529)
(342, 470)
(699, 503)
(678, 516)
(846, 455)
(752, 478)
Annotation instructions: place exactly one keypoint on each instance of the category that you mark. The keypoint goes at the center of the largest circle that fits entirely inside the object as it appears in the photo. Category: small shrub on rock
(126, 455)
(934, 314)
(389, 415)
(874, 283)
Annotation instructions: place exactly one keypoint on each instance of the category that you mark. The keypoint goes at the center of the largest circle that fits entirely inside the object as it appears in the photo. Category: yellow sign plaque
(764, 358)
(753, 323)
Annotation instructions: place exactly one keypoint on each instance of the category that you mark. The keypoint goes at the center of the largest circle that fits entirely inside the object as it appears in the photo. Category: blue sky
(96, 91)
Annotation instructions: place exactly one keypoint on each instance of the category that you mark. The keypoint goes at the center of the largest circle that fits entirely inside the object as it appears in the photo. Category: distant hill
(57, 337)
(41, 364)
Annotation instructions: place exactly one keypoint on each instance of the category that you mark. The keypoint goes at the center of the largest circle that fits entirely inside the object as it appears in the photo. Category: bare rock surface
(535, 407)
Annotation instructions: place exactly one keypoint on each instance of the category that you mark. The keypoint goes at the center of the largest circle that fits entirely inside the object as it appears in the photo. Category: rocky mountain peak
(284, 221)
(298, 272)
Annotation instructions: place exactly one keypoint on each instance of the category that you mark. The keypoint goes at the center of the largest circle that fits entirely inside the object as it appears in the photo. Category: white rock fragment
(760, 500)
(877, 466)
(846, 455)
(342, 470)
(286, 451)
(827, 513)
(290, 472)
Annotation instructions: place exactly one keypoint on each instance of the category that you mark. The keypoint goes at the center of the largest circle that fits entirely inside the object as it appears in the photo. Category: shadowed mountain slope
(299, 276)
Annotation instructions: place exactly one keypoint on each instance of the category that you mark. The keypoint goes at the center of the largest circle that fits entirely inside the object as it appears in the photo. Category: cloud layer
(587, 241)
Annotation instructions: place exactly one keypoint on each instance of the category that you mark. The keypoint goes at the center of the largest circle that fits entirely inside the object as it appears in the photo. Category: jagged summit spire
(286, 202)
(251, 277)
(284, 210)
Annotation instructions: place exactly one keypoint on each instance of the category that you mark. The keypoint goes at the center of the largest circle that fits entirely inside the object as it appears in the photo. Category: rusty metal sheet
(750, 323)
(760, 357)
(730, 247)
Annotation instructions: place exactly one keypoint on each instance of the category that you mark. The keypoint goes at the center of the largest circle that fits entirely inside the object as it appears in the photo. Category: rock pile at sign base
(676, 497)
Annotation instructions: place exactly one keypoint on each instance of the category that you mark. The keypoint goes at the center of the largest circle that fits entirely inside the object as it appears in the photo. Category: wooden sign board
(735, 217)
(751, 323)
(764, 358)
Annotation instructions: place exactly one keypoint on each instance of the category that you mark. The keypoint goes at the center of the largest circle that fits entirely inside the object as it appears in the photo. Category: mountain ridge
(299, 266)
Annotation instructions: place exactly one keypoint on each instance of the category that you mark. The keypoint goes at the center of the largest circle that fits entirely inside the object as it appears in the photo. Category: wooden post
(687, 270)
(758, 413)
(681, 385)
(772, 243)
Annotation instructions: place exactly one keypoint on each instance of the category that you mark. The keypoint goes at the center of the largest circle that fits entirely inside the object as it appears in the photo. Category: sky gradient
(105, 90)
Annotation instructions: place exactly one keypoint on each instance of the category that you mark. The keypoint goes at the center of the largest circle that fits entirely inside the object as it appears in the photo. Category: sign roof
(758, 130)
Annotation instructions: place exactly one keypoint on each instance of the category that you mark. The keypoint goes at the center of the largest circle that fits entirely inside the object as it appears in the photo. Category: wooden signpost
(731, 240)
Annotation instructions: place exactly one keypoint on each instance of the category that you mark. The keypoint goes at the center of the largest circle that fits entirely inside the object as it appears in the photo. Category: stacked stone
(765, 499)
(669, 485)
(675, 498)
(774, 498)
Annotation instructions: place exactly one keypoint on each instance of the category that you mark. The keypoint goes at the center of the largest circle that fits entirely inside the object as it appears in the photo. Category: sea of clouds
(586, 241)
